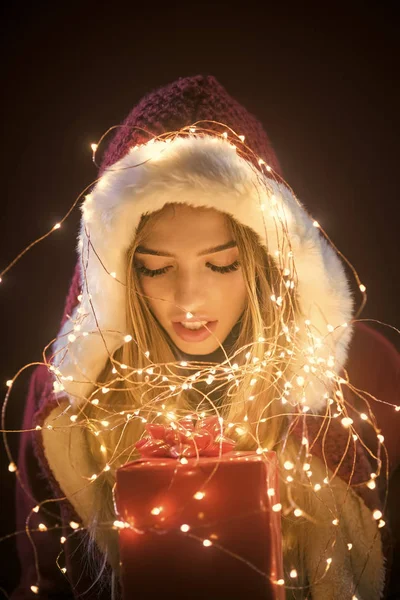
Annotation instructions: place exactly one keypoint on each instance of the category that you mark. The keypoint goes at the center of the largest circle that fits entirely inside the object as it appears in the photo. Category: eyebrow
(220, 248)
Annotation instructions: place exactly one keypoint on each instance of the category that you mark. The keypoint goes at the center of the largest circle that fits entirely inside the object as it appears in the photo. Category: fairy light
(120, 524)
(34, 589)
(42, 527)
(63, 570)
(349, 546)
(315, 365)
(347, 422)
(63, 540)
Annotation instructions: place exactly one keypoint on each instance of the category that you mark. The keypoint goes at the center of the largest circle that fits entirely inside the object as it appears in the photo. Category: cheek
(154, 288)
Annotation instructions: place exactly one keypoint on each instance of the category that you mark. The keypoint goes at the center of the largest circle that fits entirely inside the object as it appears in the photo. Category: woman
(203, 287)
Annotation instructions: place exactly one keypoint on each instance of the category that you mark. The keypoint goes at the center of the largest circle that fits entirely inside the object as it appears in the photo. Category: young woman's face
(190, 279)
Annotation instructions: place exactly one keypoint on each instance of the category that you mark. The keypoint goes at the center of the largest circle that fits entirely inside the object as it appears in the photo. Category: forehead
(181, 226)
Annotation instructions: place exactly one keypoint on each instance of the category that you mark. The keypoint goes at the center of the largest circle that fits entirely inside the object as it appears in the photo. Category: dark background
(324, 83)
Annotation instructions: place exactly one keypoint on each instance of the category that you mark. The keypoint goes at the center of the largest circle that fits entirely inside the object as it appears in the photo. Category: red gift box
(203, 529)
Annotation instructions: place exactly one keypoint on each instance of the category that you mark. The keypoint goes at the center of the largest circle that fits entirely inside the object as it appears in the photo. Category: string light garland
(172, 379)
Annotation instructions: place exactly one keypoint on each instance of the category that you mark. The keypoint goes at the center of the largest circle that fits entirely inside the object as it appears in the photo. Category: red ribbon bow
(184, 438)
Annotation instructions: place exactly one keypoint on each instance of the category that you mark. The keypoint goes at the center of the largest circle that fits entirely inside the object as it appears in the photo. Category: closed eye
(153, 273)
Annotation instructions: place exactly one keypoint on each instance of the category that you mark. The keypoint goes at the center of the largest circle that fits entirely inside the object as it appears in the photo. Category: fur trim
(202, 172)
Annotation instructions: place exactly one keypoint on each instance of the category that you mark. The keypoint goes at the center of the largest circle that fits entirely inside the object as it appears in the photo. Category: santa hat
(207, 164)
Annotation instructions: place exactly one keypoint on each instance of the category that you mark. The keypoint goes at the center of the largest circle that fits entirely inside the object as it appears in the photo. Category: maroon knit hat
(182, 103)
(170, 108)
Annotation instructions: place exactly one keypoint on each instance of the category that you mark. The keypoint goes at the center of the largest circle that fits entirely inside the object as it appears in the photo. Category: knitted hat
(204, 165)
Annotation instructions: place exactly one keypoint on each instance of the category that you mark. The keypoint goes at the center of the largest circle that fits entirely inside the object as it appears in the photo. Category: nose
(190, 291)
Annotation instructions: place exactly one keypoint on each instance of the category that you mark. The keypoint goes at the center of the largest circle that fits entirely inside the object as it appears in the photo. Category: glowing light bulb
(329, 561)
(156, 510)
(73, 418)
(293, 573)
(377, 514)
(362, 288)
(364, 417)
(128, 338)
(277, 507)
(371, 484)
(93, 147)
(74, 525)
(381, 523)
(34, 589)
(42, 527)
(57, 226)
(288, 465)
(346, 422)
(12, 467)
(207, 543)
(185, 527)
(199, 495)
(63, 540)
(316, 224)
(297, 512)
(35, 509)
(317, 487)
(335, 522)
(63, 570)
(271, 492)
(349, 545)
(95, 401)
(380, 438)
(280, 582)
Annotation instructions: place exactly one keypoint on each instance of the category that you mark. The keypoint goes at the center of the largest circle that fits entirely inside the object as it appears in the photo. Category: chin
(200, 349)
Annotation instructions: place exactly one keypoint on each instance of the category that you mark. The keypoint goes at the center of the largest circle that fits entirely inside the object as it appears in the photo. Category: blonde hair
(259, 342)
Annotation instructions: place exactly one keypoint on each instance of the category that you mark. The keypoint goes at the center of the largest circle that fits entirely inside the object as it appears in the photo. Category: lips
(196, 335)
